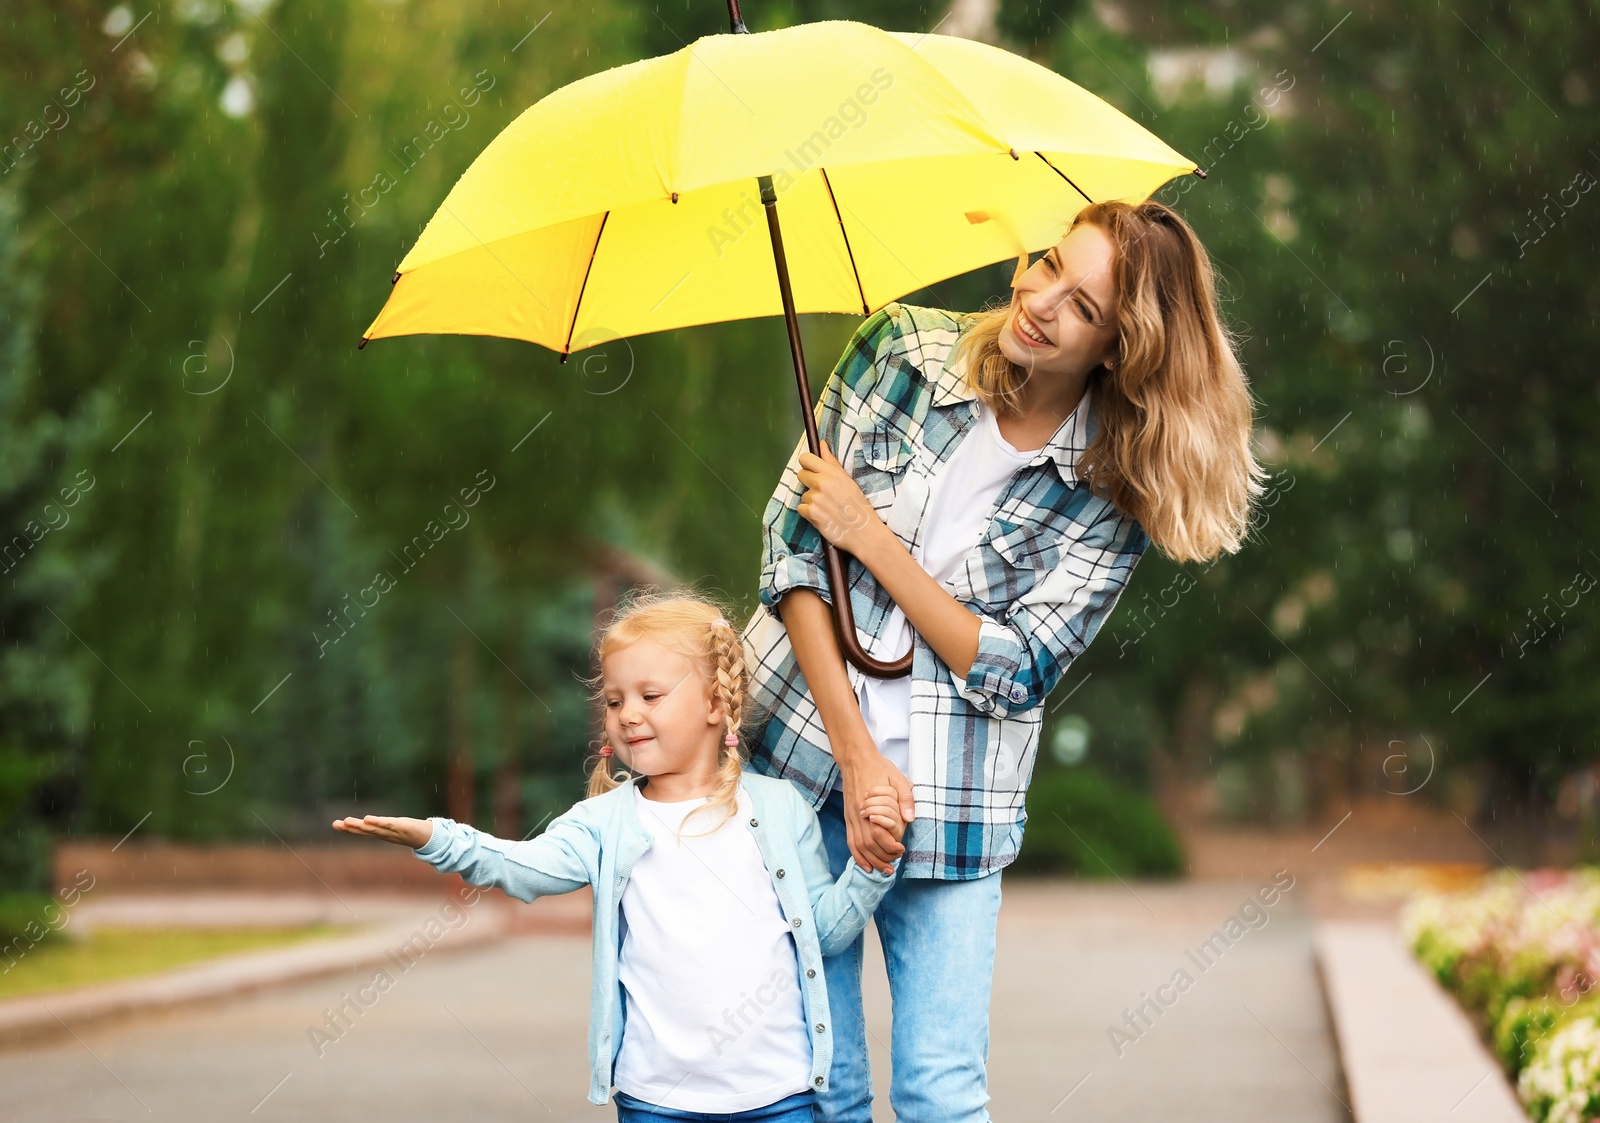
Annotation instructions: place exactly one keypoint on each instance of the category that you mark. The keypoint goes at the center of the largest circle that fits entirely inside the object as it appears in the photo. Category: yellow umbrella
(628, 202)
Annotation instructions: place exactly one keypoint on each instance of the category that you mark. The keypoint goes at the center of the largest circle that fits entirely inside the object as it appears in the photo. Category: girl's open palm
(408, 832)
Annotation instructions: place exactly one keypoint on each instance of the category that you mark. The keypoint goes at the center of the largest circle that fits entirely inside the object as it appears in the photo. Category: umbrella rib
(1064, 176)
(845, 234)
(567, 350)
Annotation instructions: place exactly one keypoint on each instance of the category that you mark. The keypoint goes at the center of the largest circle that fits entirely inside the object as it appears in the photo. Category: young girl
(713, 904)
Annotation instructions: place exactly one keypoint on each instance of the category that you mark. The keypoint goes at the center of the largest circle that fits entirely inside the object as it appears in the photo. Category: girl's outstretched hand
(882, 806)
(410, 832)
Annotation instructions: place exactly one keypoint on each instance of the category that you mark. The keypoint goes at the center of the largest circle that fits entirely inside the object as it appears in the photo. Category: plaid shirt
(1042, 580)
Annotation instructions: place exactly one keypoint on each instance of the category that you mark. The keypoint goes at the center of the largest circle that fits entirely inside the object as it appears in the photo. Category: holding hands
(878, 804)
(406, 831)
(882, 808)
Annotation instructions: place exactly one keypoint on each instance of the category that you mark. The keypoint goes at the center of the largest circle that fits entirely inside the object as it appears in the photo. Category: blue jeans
(797, 1108)
(938, 942)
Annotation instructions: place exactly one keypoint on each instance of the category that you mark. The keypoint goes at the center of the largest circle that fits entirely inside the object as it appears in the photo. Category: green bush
(1524, 1025)
(1081, 822)
(19, 911)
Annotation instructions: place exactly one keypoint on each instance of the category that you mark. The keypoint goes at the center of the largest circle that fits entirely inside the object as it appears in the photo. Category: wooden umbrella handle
(844, 624)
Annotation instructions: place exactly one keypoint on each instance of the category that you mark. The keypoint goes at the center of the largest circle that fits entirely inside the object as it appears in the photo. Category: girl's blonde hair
(696, 627)
(1173, 444)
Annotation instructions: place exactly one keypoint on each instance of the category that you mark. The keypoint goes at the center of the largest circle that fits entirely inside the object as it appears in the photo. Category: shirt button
(1018, 693)
(821, 1028)
(780, 873)
(796, 922)
(818, 1082)
(811, 972)
(753, 823)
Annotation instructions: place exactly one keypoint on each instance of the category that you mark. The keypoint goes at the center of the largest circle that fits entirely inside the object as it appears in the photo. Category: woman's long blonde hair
(698, 628)
(1173, 444)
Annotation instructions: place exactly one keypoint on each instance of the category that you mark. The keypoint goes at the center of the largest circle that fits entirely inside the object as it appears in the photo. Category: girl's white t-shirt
(961, 501)
(714, 1020)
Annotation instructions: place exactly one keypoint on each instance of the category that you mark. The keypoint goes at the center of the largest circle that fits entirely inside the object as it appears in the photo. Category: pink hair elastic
(731, 740)
(605, 750)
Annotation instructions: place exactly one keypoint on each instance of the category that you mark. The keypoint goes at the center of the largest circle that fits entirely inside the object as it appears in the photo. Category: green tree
(1419, 319)
(43, 570)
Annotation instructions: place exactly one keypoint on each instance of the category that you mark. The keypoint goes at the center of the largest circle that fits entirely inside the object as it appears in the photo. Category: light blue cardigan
(597, 842)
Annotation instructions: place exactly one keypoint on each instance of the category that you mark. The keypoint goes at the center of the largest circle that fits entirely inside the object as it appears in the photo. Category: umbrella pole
(843, 618)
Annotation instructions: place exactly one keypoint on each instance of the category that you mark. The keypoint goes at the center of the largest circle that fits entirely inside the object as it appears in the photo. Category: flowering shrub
(1562, 1082)
(1525, 1025)
(1522, 953)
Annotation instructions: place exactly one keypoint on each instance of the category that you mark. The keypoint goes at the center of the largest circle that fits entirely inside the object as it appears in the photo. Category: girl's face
(662, 716)
(1067, 300)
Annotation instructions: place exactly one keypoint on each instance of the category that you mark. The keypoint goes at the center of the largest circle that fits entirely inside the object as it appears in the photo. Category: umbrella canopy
(627, 202)
(620, 204)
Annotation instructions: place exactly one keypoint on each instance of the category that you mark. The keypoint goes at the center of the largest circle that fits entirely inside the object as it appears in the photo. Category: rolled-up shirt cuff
(997, 668)
(794, 571)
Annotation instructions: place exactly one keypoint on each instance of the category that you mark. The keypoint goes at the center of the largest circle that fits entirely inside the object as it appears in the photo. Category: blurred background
(204, 485)
(201, 477)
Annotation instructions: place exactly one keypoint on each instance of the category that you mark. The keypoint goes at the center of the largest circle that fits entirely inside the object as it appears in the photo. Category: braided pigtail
(731, 681)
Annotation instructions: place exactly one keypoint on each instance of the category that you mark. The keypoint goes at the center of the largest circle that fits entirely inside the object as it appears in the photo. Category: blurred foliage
(1079, 821)
(25, 923)
(1410, 605)
(185, 267)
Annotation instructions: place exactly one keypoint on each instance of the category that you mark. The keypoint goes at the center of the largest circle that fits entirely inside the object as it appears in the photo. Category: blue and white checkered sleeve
(792, 556)
(1024, 653)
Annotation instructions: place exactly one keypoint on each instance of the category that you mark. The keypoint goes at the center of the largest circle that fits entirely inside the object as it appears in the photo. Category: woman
(1006, 470)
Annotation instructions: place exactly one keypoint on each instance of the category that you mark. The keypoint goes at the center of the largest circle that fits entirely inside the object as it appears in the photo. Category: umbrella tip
(1201, 172)
(395, 279)
(563, 358)
(362, 344)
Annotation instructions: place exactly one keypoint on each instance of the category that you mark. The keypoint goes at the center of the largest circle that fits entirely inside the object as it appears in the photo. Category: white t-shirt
(961, 501)
(714, 1020)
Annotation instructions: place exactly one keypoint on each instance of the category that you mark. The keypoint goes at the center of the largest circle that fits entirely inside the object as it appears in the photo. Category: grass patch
(111, 953)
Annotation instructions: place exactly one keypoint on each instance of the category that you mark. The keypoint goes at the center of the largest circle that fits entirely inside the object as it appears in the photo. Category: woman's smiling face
(1063, 307)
